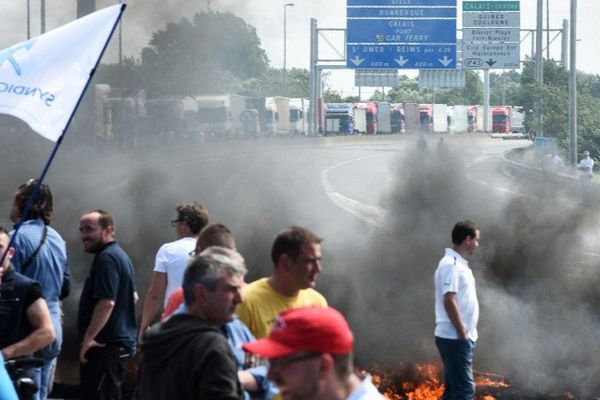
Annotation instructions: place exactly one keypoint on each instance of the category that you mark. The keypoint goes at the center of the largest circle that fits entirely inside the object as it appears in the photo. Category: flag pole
(36, 190)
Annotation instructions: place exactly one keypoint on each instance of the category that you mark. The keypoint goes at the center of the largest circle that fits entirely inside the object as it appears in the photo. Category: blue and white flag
(42, 79)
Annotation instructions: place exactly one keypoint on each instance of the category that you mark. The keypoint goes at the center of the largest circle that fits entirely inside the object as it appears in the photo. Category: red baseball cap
(310, 329)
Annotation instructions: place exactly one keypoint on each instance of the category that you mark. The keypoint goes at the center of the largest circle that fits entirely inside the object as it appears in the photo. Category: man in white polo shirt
(586, 166)
(457, 312)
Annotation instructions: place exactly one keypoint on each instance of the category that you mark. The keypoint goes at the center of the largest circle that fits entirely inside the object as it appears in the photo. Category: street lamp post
(285, 6)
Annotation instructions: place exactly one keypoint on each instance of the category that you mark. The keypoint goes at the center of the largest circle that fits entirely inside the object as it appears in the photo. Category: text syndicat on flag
(42, 79)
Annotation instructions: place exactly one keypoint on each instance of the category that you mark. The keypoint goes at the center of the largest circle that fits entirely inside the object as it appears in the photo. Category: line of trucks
(383, 117)
(121, 117)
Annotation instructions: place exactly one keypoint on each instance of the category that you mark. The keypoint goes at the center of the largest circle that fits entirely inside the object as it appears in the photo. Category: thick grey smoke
(257, 188)
(535, 269)
(537, 275)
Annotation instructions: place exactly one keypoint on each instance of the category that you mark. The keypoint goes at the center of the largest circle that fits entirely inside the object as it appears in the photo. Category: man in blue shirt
(106, 320)
(41, 255)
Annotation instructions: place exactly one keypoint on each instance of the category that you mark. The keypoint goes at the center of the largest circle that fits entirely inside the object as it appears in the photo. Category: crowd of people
(217, 337)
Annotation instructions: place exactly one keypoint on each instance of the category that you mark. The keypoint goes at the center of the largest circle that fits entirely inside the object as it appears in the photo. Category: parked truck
(426, 117)
(339, 118)
(371, 115)
(220, 115)
(174, 116)
(472, 119)
(397, 117)
(412, 117)
(299, 116)
(516, 120)
(360, 117)
(266, 115)
(384, 117)
(501, 119)
(458, 119)
(282, 107)
(440, 118)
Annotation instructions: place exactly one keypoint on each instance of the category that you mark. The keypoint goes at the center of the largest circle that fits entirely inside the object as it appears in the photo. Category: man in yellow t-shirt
(296, 254)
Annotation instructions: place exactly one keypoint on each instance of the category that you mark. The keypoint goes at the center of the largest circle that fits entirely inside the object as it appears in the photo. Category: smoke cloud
(536, 269)
(536, 272)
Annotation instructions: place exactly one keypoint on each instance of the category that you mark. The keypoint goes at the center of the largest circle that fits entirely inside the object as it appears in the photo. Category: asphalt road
(383, 207)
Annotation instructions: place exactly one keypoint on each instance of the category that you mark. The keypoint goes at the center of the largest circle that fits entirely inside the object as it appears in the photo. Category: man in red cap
(310, 356)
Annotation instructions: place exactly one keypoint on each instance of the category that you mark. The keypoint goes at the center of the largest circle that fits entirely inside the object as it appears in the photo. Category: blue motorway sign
(415, 34)
(401, 12)
(421, 56)
(402, 3)
(401, 30)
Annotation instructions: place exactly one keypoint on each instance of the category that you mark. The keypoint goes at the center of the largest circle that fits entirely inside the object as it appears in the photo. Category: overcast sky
(143, 17)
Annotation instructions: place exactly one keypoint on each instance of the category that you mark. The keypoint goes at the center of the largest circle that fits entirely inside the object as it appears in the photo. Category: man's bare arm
(155, 295)
(451, 307)
(43, 331)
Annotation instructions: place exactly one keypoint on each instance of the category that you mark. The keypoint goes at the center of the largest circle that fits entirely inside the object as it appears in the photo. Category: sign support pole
(486, 100)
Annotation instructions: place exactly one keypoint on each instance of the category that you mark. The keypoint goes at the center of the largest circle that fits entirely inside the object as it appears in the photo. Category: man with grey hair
(187, 357)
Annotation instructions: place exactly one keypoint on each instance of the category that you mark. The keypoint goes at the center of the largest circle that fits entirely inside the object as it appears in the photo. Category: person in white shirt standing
(172, 259)
(457, 313)
(586, 166)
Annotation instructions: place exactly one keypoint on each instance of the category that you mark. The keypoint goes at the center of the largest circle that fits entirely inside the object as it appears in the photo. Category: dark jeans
(457, 357)
(102, 375)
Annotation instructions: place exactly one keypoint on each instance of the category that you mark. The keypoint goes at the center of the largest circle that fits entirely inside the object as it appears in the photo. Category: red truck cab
(471, 118)
(426, 115)
(371, 118)
(501, 119)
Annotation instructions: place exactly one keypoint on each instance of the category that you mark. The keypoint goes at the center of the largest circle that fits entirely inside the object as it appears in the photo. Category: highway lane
(359, 184)
(383, 229)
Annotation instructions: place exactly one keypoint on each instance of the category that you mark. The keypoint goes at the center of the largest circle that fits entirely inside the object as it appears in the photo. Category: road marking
(373, 215)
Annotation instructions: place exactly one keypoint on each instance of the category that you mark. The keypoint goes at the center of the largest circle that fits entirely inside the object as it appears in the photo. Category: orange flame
(424, 382)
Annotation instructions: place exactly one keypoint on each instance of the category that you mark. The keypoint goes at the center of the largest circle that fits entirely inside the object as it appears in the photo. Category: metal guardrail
(567, 178)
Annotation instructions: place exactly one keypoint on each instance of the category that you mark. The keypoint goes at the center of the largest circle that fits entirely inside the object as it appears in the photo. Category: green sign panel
(490, 6)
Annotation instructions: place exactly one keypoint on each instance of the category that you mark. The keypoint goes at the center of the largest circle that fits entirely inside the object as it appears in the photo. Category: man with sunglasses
(172, 259)
(310, 352)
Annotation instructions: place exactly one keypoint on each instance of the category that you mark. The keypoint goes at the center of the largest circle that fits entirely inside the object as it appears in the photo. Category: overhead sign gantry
(401, 34)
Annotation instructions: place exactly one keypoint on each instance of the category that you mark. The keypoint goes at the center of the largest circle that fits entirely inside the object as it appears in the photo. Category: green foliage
(505, 88)
(215, 53)
(126, 76)
(270, 83)
(298, 82)
(330, 96)
(554, 97)
(408, 91)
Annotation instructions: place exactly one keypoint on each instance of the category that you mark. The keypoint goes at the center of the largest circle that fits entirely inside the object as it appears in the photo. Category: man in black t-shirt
(106, 319)
(25, 324)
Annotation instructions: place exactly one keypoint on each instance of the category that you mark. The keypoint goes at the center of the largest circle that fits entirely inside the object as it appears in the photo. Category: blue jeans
(45, 377)
(457, 357)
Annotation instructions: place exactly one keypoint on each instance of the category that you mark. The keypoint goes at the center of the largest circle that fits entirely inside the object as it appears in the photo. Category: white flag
(42, 79)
